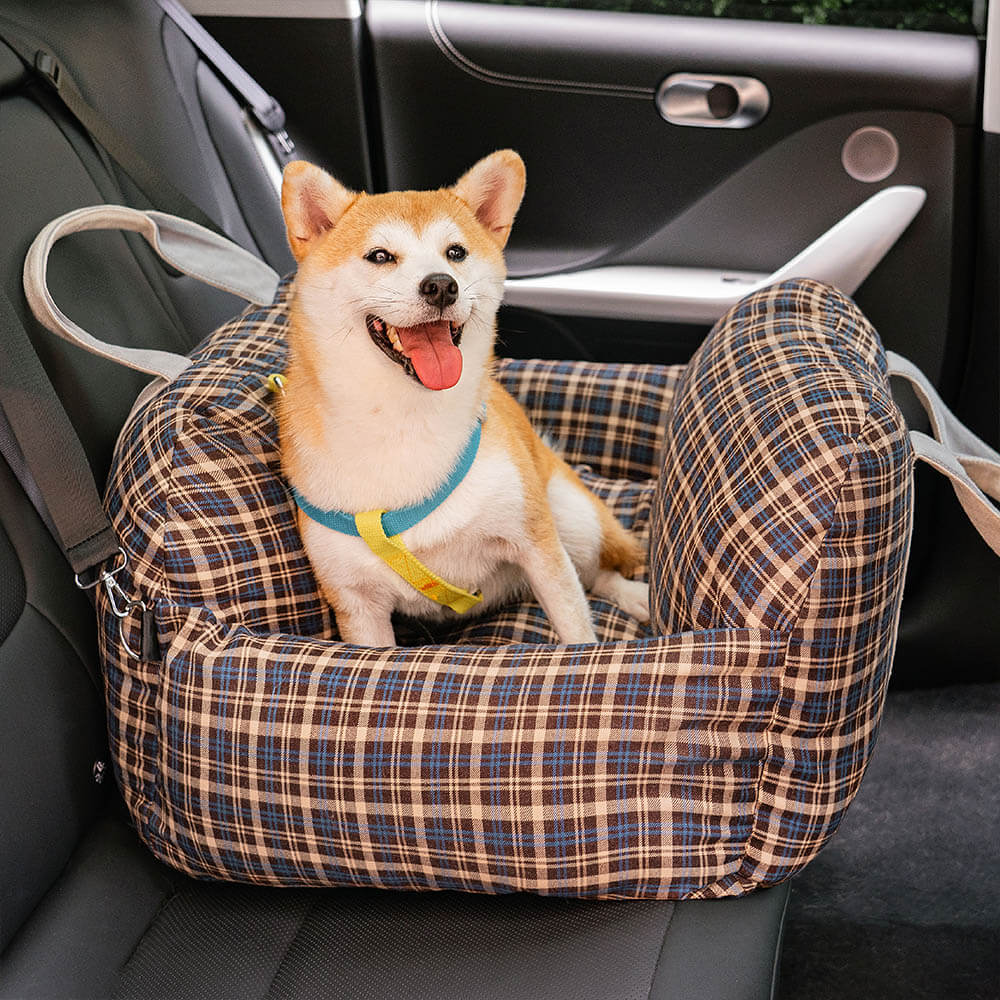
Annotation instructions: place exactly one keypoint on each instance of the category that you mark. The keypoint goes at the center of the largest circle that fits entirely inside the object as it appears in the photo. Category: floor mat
(905, 900)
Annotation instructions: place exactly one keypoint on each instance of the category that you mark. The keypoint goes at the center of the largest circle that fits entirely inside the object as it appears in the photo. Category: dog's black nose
(439, 289)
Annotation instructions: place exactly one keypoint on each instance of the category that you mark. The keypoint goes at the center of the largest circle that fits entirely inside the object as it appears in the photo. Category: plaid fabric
(606, 417)
(790, 509)
(262, 749)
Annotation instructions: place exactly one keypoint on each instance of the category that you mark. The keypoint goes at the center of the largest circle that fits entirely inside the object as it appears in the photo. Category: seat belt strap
(51, 451)
(266, 111)
(150, 181)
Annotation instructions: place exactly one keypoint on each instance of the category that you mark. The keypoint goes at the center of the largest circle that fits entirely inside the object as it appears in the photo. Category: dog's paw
(634, 600)
(632, 596)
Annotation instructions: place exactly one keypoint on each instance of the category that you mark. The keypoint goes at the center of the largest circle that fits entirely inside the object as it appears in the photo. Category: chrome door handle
(706, 100)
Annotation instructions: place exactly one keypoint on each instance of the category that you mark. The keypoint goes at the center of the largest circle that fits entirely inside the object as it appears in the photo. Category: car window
(956, 16)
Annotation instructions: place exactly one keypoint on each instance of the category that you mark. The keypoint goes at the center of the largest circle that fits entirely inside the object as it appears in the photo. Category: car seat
(86, 909)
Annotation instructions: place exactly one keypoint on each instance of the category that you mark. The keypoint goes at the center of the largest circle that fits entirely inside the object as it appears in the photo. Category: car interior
(674, 163)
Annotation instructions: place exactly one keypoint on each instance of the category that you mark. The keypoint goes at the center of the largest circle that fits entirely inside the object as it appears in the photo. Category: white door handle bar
(843, 256)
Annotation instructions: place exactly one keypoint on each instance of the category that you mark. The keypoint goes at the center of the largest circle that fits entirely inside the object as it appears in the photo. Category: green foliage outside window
(962, 16)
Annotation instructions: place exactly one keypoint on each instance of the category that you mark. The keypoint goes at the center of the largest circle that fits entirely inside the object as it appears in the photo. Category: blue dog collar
(395, 522)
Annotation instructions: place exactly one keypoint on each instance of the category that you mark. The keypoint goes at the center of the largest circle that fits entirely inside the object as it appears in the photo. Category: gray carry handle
(972, 465)
(188, 247)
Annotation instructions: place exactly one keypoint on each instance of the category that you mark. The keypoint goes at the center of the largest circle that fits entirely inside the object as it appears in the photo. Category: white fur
(378, 420)
(470, 541)
(579, 529)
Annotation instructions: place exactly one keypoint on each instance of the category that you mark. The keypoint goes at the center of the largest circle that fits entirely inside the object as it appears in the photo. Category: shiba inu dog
(390, 406)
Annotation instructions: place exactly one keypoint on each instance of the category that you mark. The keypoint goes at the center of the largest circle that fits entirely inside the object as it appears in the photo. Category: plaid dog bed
(771, 479)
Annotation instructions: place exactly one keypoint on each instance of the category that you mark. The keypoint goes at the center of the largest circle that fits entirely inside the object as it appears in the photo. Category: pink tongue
(436, 360)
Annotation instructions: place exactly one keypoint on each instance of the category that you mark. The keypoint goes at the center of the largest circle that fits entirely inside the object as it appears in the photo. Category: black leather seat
(118, 923)
(86, 911)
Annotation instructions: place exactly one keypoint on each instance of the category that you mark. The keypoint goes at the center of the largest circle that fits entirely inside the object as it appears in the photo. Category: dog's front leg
(557, 587)
(361, 618)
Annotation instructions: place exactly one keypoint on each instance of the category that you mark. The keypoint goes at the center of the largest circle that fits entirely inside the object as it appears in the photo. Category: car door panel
(611, 182)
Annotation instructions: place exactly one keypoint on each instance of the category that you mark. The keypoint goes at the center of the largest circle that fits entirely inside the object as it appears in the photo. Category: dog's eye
(456, 252)
(380, 256)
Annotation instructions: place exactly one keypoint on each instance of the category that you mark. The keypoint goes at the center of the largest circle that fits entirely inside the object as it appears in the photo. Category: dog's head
(414, 277)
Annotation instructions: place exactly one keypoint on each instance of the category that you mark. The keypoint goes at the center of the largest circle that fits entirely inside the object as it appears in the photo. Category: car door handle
(843, 256)
(706, 100)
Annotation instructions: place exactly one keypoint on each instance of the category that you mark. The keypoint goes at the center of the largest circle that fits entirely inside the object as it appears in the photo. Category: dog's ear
(493, 189)
(312, 202)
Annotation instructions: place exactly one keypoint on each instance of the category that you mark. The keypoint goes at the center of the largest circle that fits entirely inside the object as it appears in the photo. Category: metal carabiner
(122, 605)
(102, 576)
(122, 610)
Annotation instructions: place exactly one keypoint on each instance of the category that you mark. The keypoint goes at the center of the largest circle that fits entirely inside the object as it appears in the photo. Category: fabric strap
(404, 563)
(50, 451)
(972, 465)
(42, 447)
(264, 109)
(184, 245)
(39, 58)
(266, 112)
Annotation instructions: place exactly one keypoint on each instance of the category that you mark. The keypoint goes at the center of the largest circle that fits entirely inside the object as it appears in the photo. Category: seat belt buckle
(47, 66)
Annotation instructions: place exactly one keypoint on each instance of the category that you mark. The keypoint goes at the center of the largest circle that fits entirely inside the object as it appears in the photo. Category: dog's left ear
(312, 202)
(493, 189)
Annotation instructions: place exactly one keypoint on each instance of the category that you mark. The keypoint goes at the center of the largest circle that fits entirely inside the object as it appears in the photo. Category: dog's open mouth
(428, 352)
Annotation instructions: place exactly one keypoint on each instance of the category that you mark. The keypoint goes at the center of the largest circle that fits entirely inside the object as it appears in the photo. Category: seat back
(178, 115)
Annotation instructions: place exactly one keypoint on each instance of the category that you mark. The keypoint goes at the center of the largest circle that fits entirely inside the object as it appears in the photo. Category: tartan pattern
(606, 417)
(693, 764)
(461, 767)
(791, 509)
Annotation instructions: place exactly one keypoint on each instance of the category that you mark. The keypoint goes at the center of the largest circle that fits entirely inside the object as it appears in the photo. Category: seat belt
(50, 451)
(162, 194)
(44, 452)
(37, 56)
(264, 109)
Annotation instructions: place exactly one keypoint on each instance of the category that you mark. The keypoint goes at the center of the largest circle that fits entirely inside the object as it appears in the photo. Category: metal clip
(122, 605)
(113, 572)
(48, 67)
(285, 143)
(122, 612)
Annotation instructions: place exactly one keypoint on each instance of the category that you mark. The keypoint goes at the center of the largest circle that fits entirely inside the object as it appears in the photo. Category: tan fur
(359, 433)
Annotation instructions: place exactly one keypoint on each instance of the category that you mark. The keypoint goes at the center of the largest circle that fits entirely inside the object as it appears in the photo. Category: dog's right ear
(312, 202)
(493, 189)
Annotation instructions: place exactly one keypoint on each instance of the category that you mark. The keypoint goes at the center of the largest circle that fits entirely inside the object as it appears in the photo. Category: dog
(389, 390)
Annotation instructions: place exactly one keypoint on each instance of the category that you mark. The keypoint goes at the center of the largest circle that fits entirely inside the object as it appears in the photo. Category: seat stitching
(307, 913)
(659, 954)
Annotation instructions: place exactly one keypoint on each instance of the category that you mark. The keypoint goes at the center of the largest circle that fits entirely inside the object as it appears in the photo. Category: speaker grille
(870, 154)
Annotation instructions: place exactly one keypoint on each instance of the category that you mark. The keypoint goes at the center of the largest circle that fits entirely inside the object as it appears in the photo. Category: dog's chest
(468, 541)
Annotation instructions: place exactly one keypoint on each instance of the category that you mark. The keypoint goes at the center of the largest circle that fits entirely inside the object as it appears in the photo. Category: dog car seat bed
(772, 480)
(718, 752)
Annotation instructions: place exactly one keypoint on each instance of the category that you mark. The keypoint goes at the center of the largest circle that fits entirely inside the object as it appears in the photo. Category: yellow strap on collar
(402, 561)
